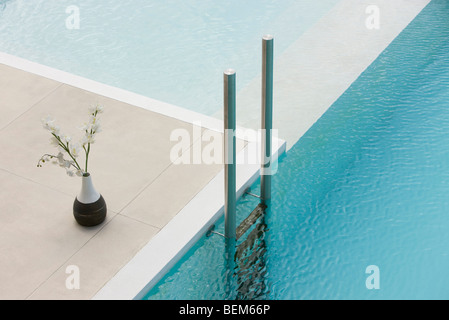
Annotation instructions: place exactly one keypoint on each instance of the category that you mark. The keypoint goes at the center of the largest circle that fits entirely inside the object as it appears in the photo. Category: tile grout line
(34, 182)
(139, 221)
(32, 106)
(146, 187)
(86, 243)
(160, 174)
(58, 268)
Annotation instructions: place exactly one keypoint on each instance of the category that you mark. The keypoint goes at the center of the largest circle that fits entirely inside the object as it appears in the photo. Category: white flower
(96, 109)
(92, 109)
(66, 139)
(88, 138)
(83, 141)
(67, 164)
(92, 120)
(47, 121)
(60, 157)
(54, 142)
(49, 124)
(84, 127)
(91, 138)
(74, 149)
(53, 128)
(96, 127)
(70, 173)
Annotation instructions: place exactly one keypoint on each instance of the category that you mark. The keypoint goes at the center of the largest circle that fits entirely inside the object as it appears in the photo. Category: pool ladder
(231, 231)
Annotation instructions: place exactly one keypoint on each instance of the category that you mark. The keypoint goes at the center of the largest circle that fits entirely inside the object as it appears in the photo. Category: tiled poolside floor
(130, 165)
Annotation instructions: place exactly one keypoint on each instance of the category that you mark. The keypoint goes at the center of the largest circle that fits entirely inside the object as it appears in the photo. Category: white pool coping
(165, 249)
(112, 92)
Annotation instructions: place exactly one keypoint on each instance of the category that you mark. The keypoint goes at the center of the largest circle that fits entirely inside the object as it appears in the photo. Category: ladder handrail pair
(230, 139)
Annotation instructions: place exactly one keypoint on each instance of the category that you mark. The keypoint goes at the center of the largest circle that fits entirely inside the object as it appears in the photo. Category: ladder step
(250, 220)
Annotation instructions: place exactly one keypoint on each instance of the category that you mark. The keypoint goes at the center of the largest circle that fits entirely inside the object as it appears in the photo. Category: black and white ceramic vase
(89, 207)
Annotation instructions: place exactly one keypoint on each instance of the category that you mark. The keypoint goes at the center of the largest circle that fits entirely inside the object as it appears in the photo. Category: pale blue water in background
(367, 185)
(169, 50)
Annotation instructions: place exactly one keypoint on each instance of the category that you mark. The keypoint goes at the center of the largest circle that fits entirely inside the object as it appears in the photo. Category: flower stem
(66, 149)
(87, 156)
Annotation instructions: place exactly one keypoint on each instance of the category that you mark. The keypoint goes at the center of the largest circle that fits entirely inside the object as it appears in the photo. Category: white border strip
(150, 264)
(125, 96)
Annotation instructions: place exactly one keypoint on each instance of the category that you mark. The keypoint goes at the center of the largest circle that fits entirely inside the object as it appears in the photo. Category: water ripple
(366, 185)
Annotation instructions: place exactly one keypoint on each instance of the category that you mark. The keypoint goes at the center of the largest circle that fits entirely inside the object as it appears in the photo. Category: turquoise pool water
(169, 50)
(367, 185)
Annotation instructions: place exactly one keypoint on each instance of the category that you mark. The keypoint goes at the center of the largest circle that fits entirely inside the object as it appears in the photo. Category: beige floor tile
(175, 187)
(37, 234)
(99, 260)
(19, 91)
(131, 151)
(157, 208)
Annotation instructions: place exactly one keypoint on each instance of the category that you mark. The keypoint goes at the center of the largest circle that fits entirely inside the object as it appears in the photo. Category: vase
(89, 208)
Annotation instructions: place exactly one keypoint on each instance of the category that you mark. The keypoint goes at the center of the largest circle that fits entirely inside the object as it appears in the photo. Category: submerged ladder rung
(250, 220)
(252, 194)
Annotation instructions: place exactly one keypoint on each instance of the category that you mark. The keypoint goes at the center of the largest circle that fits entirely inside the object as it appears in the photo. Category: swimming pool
(367, 185)
(172, 51)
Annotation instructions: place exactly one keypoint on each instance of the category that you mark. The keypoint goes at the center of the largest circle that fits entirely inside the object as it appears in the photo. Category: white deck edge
(151, 263)
(162, 252)
(115, 93)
